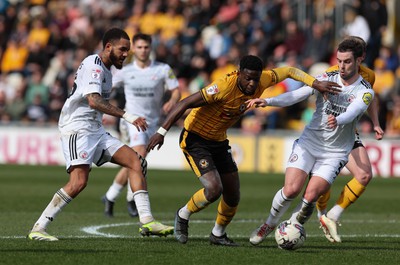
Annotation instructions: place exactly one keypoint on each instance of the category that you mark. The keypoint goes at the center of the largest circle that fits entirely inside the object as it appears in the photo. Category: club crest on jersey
(322, 76)
(351, 98)
(367, 98)
(83, 154)
(96, 74)
(293, 158)
(203, 163)
(212, 90)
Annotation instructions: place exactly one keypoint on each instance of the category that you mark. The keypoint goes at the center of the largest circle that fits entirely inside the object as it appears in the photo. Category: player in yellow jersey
(203, 140)
(359, 166)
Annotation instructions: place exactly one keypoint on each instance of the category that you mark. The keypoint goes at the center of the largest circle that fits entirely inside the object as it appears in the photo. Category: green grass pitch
(370, 228)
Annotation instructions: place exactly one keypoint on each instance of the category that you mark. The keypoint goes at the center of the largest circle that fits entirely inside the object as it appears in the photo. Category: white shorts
(326, 168)
(132, 137)
(85, 149)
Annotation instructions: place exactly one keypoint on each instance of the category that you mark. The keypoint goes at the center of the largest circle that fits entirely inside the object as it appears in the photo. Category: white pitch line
(94, 231)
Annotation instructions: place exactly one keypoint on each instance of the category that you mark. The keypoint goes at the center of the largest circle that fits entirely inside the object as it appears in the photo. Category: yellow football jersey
(226, 103)
(367, 73)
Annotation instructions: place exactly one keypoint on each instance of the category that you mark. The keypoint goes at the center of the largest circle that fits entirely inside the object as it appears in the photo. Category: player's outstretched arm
(193, 101)
(299, 75)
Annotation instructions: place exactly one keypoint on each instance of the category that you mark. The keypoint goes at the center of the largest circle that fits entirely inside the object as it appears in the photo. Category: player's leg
(197, 154)
(131, 205)
(360, 167)
(79, 151)
(294, 182)
(121, 179)
(138, 140)
(325, 172)
(77, 182)
(315, 187)
(127, 157)
(322, 203)
(299, 164)
(227, 208)
(211, 191)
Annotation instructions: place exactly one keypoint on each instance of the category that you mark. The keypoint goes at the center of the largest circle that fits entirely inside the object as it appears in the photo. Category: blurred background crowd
(43, 42)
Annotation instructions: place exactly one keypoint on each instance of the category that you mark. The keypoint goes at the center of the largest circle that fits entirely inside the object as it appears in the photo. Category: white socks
(143, 206)
(218, 230)
(184, 213)
(280, 204)
(57, 203)
(114, 191)
(335, 213)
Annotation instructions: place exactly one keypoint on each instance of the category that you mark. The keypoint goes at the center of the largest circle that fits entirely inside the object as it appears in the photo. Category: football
(290, 235)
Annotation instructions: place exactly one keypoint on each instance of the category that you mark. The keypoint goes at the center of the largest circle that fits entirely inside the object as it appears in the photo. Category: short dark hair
(114, 34)
(141, 36)
(251, 62)
(353, 45)
(361, 40)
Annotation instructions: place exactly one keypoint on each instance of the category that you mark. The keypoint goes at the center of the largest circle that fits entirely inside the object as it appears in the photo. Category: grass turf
(370, 228)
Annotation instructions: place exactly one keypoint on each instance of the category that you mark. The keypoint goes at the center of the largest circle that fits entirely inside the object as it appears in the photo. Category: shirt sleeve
(356, 108)
(290, 98)
(170, 79)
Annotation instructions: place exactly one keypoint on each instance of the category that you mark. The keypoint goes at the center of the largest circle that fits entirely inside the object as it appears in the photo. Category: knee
(291, 191)
(311, 195)
(363, 176)
(212, 192)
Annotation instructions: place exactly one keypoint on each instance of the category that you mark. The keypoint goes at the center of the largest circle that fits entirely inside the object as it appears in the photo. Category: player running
(204, 142)
(325, 144)
(85, 141)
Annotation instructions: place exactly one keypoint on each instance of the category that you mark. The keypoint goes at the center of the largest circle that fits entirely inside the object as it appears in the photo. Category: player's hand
(140, 124)
(257, 102)
(326, 87)
(378, 132)
(156, 140)
(332, 122)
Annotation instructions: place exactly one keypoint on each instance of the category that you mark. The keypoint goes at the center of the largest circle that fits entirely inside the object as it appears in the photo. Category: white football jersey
(92, 76)
(144, 88)
(327, 142)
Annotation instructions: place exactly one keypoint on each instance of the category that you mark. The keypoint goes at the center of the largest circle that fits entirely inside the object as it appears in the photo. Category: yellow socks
(350, 193)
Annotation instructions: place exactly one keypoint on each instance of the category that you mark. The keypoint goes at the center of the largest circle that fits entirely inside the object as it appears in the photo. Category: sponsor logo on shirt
(96, 74)
(171, 74)
(367, 98)
(212, 90)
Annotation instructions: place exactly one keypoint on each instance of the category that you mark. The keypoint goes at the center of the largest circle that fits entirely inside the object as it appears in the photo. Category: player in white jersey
(323, 148)
(145, 83)
(84, 140)
(359, 166)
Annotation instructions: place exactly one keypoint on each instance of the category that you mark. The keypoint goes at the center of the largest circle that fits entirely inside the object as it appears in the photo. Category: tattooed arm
(97, 102)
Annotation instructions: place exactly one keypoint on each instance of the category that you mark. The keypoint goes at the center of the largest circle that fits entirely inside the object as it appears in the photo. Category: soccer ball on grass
(290, 235)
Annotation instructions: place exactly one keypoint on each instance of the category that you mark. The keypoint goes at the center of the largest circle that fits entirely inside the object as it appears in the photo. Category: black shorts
(357, 142)
(205, 155)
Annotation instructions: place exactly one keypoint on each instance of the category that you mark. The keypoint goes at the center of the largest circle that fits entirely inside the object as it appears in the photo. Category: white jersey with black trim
(144, 88)
(92, 76)
(329, 142)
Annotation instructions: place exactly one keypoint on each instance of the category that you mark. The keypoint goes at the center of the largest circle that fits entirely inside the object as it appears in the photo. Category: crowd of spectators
(42, 43)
